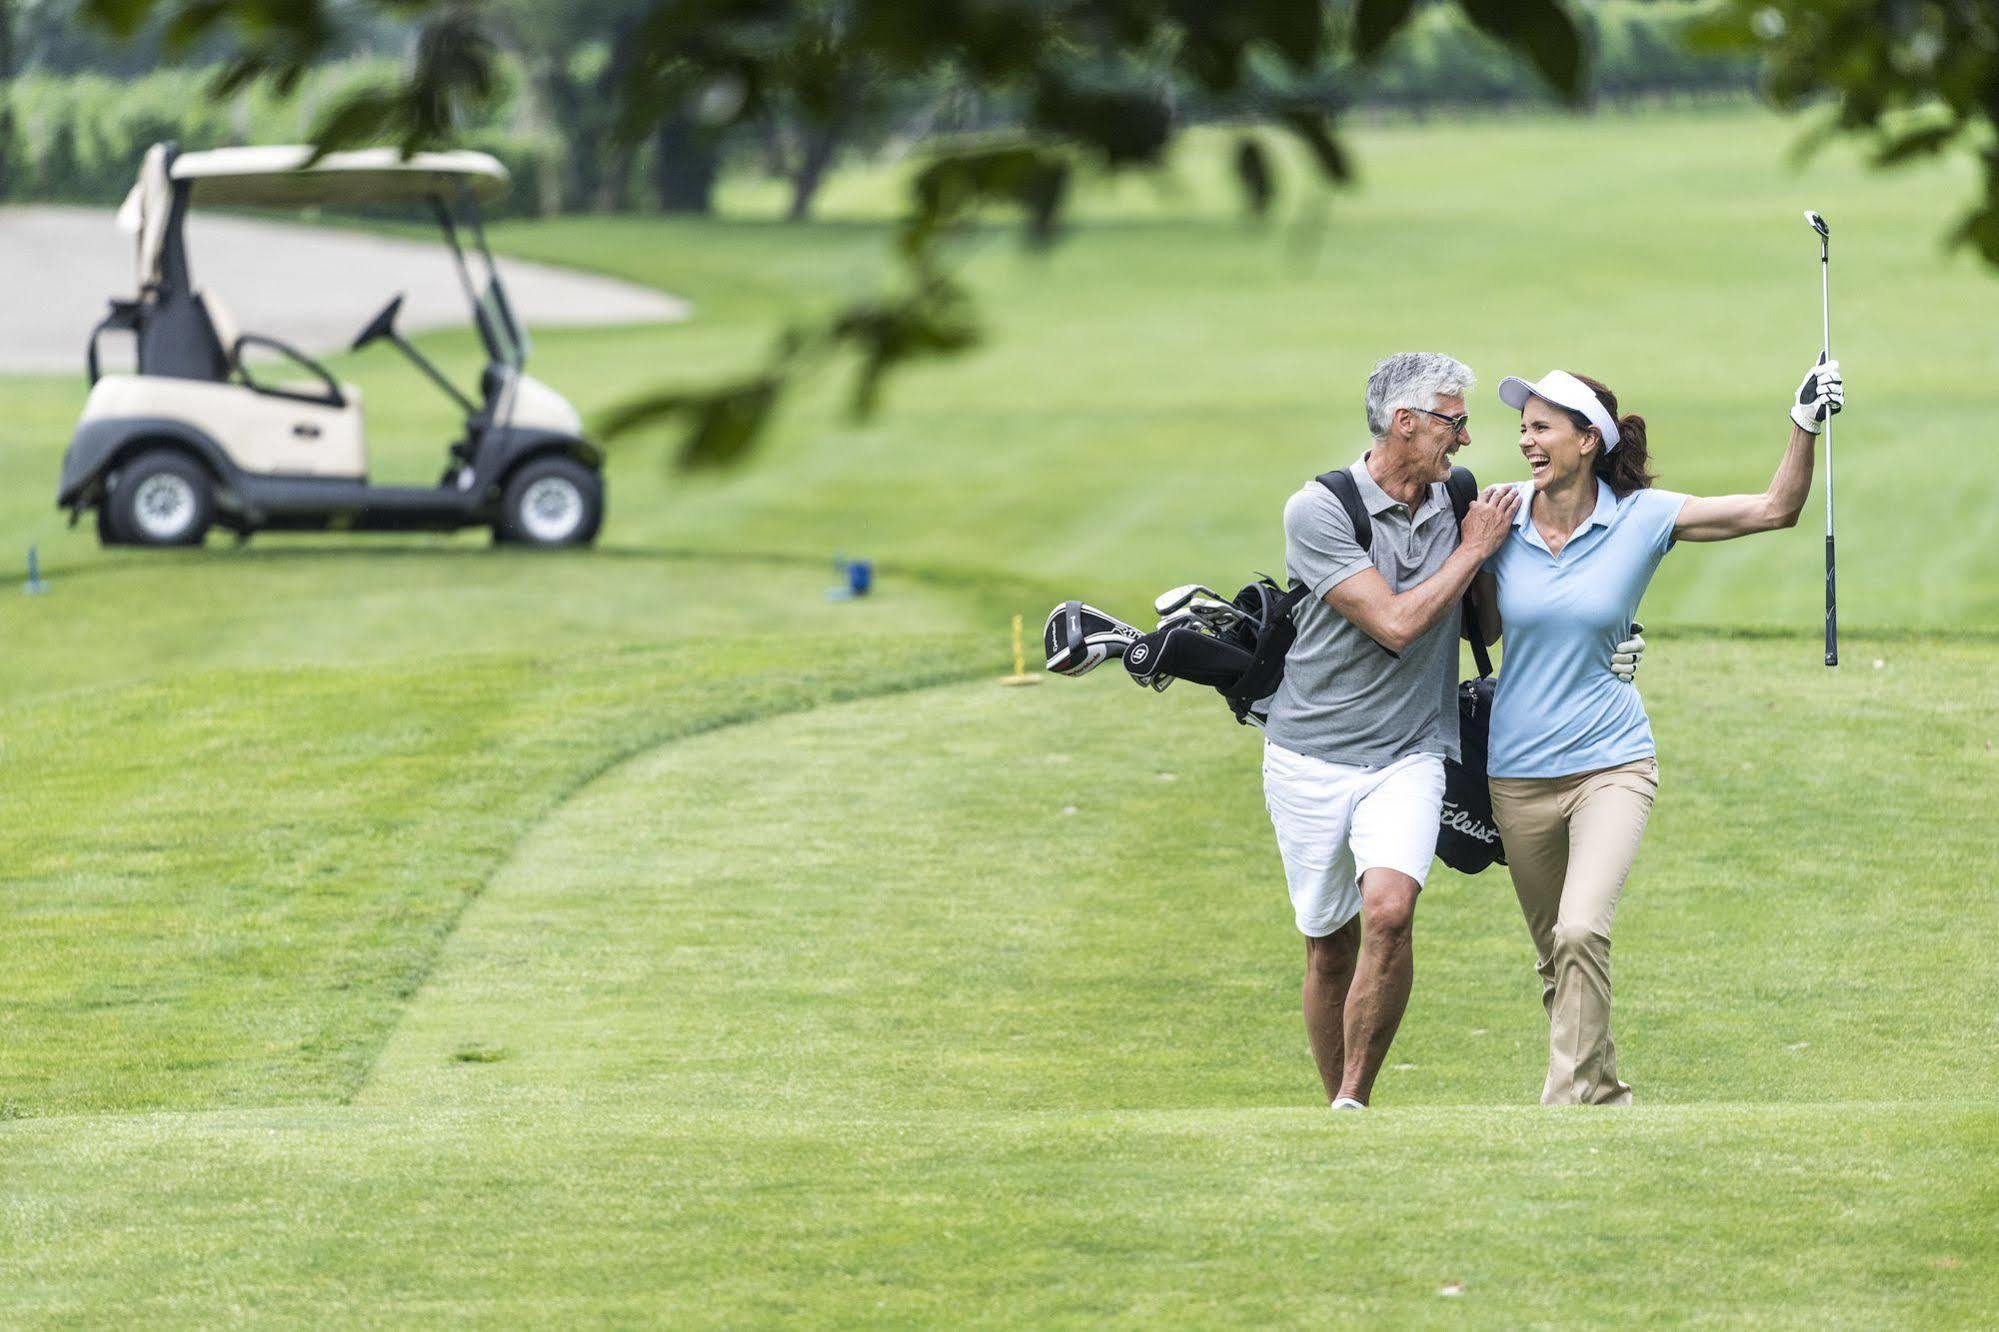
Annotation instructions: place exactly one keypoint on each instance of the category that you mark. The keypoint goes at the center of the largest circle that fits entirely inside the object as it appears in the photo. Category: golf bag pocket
(1467, 836)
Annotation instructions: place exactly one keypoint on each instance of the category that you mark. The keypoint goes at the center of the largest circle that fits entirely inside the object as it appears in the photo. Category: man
(1353, 768)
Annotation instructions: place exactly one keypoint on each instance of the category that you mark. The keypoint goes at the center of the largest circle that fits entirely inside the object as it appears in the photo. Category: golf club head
(1184, 618)
(1171, 600)
(1215, 612)
(1078, 638)
(1818, 223)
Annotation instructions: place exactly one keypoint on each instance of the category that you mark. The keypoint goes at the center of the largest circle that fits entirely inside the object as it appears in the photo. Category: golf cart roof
(277, 175)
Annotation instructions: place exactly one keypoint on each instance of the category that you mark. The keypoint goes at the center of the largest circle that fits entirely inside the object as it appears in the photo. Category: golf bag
(1467, 836)
(1241, 655)
(1242, 662)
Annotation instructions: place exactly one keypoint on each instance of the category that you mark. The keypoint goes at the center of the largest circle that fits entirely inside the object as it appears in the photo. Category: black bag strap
(1341, 483)
(1463, 489)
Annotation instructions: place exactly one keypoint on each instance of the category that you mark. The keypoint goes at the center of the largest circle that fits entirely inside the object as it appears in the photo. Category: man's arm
(1397, 619)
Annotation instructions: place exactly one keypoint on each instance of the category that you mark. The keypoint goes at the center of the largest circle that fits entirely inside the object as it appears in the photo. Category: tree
(569, 54)
(1093, 83)
(1917, 78)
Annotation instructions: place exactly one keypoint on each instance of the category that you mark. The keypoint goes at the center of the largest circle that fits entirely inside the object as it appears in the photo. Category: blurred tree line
(81, 108)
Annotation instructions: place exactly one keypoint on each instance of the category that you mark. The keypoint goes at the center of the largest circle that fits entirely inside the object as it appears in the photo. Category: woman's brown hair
(1625, 468)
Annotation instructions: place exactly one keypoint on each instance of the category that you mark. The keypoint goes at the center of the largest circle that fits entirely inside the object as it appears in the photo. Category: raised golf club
(1817, 223)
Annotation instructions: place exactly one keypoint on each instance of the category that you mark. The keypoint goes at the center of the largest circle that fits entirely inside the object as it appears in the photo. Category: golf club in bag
(1817, 223)
(1235, 647)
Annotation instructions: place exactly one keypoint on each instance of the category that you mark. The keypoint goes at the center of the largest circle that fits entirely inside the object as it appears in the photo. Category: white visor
(1564, 390)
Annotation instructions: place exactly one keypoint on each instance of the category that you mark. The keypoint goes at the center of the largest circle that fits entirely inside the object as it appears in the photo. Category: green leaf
(1252, 168)
(1542, 31)
(723, 424)
(1924, 142)
(1295, 30)
(122, 17)
(1980, 230)
(1129, 126)
(1312, 125)
(363, 117)
(1375, 22)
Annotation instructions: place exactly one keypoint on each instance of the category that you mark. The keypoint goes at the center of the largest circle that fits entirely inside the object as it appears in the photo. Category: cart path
(312, 286)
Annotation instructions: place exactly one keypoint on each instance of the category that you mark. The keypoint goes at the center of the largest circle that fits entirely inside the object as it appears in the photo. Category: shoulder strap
(1463, 489)
(1341, 483)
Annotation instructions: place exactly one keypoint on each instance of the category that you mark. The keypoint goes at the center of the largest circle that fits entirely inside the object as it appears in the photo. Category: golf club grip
(1831, 609)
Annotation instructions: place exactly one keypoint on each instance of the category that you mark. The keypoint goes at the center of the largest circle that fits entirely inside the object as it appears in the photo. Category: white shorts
(1335, 823)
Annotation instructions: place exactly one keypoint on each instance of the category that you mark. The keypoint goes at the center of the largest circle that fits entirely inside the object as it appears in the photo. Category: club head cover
(1077, 638)
(1185, 654)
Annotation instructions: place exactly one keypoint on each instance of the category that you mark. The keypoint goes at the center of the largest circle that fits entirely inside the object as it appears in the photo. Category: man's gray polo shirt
(1343, 698)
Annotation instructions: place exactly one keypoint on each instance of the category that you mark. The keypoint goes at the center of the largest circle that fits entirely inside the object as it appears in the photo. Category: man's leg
(1394, 841)
(1311, 805)
(1382, 979)
(1329, 966)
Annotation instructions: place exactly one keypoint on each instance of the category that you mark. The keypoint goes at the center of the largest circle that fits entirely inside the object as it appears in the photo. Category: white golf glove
(1625, 656)
(1820, 397)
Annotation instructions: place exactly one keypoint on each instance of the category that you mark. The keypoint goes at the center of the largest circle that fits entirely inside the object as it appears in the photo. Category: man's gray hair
(1412, 379)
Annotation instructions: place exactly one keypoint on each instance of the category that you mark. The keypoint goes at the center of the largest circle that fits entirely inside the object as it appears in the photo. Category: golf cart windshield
(491, 310)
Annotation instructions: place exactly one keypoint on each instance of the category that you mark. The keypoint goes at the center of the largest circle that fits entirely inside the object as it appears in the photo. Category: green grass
(401, 931)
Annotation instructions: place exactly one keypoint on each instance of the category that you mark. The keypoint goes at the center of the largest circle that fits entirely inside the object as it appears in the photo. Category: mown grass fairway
(402, 932)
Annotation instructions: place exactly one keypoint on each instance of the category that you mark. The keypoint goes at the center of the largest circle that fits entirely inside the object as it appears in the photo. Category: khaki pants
(1569, 845)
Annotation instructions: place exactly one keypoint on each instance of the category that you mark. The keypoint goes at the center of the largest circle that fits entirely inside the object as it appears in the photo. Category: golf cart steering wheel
(382, 325)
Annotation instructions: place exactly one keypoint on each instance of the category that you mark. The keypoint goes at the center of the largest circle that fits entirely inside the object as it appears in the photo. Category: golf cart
(194, 438)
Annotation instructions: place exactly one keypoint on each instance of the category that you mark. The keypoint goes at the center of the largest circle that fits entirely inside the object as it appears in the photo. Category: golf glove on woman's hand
(1625, 656)
(1820, 397)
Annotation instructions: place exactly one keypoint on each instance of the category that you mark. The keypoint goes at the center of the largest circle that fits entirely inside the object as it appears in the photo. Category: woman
(1572, 766)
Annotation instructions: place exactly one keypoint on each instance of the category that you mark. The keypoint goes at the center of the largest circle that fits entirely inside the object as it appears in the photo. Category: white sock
(1348, 1103)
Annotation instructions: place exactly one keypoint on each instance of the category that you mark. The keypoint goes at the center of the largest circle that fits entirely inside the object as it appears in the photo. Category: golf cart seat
(227, 330)
(229, 336)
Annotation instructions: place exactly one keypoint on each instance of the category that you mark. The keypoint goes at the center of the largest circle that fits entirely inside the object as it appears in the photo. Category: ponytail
(1627, 467)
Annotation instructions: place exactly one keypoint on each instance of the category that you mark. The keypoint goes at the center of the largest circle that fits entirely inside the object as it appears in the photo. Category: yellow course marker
(1020, 675)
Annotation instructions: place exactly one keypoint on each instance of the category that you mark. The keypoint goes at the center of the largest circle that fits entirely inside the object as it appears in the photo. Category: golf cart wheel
(161, 498)
(551, 502)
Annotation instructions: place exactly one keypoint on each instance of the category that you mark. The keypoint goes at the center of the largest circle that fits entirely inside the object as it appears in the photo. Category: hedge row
(1637, 48)
(79, 138)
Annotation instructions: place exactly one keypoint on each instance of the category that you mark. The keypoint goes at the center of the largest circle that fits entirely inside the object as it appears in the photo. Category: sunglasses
(1456, 423)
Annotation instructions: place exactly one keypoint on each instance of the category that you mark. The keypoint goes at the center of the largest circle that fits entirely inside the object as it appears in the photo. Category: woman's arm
(1724, 517)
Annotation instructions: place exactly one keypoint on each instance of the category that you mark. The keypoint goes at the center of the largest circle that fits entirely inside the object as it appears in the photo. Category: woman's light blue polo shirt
(1558, 710)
